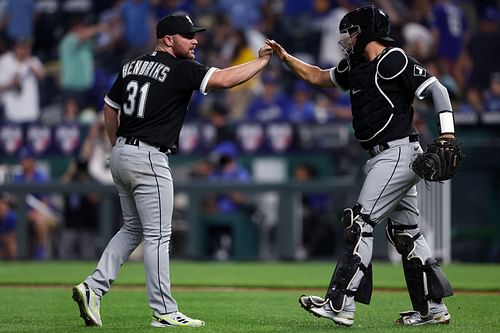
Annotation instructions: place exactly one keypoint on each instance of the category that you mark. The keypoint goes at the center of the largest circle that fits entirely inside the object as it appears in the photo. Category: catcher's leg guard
(353, 273)
(424, 278)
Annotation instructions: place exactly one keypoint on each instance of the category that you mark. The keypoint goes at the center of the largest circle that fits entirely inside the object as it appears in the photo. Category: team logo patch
(418, 70)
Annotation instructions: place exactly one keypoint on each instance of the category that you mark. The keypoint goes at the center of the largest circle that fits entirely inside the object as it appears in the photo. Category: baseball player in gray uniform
(383, 82)
(144, 113)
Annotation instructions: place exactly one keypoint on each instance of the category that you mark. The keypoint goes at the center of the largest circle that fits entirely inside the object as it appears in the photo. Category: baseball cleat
(437, 315)
(175, 319)
(321, 308)
(308, 302)
(88, 303)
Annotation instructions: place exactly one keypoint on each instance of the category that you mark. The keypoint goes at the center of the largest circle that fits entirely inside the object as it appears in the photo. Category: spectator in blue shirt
(228, 170)
(481, 58)
(272, 104)
(319, 235)
(448, 26)
(244, 15)
(19, 16)
(137, 16)
(492, 95)
(39, 213)
(302, 109)
(8, 221)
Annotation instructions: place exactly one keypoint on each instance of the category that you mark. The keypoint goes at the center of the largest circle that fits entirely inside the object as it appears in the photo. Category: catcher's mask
(361, 26)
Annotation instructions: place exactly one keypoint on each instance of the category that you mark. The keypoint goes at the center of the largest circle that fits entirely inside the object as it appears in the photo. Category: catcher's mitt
(440, 161)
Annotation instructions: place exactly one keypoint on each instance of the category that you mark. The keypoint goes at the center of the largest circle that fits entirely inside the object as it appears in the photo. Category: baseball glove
(439, 162)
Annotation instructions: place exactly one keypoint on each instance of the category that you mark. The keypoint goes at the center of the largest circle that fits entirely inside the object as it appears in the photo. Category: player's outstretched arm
(309, 73)
(236, 75)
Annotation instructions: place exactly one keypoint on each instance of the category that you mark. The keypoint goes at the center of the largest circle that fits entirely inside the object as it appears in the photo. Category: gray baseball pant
(389, 191)
(144, 181)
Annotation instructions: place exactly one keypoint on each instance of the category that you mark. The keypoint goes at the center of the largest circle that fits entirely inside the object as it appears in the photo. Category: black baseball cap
(176, 24)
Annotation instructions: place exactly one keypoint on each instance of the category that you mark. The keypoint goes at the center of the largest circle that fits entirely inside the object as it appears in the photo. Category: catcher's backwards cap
(176, 24)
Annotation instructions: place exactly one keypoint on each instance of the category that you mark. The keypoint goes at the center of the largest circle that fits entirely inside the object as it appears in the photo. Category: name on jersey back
(152, 69)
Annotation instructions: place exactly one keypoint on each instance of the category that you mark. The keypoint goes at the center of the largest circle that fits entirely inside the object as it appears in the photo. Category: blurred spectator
(418, 12)
(71, 111)
(492, 95)
(8, 221)
(80, 236)
(421, 123)
(449, 27)
(96, 149)
(238, 51)
(137, 18)
(418, 41)
(202, 170)
(110, 42)
(297, 28)
(39, 214)
(227, 169)
(166, 7)
(216, 51)
(21, 72)
(218, 116)
(302, 109)
(76, 55)
(205, 12)
(447, 79)
(319, 234)
(329, 50)
(47, 29)
(333, 105)
(19, 15)
(481, 58)
(271, 104)
(244, 15)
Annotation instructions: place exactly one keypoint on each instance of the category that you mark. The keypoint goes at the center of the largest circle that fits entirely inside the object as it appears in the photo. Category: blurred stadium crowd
(74, 48)
(58, 58)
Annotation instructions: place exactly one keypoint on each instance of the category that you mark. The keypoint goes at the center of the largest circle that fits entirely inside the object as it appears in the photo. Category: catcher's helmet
(366, 24)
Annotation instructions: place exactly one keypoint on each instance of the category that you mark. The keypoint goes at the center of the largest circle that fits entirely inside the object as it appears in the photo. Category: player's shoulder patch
(392, 63)
(419, 70)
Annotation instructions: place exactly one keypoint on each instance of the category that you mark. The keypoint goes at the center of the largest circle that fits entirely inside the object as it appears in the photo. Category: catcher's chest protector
(381, 102)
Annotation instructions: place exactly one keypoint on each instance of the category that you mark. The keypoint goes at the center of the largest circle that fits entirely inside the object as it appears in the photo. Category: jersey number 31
(131, 105)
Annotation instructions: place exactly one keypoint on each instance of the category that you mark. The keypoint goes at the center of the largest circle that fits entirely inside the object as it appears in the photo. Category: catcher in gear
(383, 82)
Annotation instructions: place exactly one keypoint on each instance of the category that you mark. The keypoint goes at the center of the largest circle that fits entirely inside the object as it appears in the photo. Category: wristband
(446, 122)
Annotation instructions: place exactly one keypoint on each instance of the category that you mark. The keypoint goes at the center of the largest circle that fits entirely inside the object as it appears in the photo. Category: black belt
(377, 149)
(136, 142)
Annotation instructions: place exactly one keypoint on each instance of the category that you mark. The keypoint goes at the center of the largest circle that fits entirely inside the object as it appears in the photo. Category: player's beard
(191, 54)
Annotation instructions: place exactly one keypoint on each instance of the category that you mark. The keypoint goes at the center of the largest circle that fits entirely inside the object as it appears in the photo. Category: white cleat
(175, 319)
(88, 303)
(437, 315)
(308, 302)
(322, 308)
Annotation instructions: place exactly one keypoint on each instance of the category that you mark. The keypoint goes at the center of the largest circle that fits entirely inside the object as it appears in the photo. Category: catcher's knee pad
(424, 279)
(402, 237)
(351, 277)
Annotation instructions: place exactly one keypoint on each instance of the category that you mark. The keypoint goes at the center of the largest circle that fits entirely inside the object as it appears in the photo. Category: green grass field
(234, 297)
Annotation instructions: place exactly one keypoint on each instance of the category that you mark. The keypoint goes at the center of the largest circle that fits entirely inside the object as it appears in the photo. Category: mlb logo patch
(418, 70)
